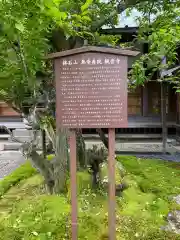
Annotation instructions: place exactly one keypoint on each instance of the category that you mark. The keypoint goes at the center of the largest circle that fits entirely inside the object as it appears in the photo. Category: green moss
(50, 157)
(25, 189)
(38, 218)
(83, 181)
(146, 201)
(26, 212)
(155, 176)
(23, 172)
(104, 173)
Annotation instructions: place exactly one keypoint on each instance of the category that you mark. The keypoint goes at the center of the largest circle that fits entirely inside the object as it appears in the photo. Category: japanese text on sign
(92, 91)
(92, 61)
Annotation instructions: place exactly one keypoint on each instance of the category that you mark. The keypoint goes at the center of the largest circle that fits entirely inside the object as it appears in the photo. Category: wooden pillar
(112, 187)
(169, 99)
(177, 108)
(177, 116)
(163, 115)
(73, 170)
(145, 100)
(44, 143)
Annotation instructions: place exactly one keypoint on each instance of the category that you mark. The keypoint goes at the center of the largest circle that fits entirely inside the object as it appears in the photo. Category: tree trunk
(44, 149)
(61, 163)
(44, 167)
(102, 137)
(55, 172)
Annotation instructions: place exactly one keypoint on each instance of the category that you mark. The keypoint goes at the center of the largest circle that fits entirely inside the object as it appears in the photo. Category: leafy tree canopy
(159, 26)
(29, 29)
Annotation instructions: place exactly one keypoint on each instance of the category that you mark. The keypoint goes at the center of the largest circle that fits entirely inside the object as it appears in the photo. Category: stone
(1, 147)
(12, 146)
(173, 219)
(22, 133)
(177, 199)
(171, 141)
(120, 188)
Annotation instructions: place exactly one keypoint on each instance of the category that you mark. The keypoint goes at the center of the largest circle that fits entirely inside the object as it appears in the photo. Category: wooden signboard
(91, 92)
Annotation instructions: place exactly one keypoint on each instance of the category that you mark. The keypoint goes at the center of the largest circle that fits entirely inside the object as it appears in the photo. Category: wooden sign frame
(67, 97)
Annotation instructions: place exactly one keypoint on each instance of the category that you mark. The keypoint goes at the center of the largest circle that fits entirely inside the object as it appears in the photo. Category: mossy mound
(27, 212)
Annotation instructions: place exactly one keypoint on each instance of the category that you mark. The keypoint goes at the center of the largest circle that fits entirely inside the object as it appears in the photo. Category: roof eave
(115, 51)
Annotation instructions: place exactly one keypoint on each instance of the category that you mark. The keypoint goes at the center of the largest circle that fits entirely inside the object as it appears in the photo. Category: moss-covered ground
(27, 212)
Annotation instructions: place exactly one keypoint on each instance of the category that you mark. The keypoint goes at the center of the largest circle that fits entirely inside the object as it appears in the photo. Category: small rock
(177, 199)
(120, 188)
(173, 219)
(105, 180)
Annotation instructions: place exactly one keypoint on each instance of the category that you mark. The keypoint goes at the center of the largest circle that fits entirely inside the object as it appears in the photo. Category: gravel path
(167, 157)
(9, 161)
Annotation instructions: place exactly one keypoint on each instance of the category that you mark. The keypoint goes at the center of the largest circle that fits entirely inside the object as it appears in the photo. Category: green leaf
(86, 5)
(77, 17)
(19, 26)
(35, 233)
(86, 12)
(86, 18)
(63, 15)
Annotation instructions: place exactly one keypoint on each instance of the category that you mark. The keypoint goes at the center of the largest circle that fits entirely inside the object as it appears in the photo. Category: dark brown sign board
(91, 85)
(91, 92)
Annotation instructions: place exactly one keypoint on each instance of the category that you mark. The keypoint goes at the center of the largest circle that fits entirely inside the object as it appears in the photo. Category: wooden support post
(177, 116)
(145, 100)
(177, 108)
(73, 169)
(163, 115)
(44, 143)
(112, 197)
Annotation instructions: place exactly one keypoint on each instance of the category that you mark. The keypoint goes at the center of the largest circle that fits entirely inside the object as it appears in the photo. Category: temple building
(153, 109)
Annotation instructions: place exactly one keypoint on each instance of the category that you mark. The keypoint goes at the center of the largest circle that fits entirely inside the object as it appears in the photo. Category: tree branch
(21, 54)
(102, 137)
(98, 24)
(11, 135)
(121, 7)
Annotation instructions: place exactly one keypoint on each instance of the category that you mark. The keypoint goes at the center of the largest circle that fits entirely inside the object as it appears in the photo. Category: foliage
(159, 27)
(29, 30)
(23, 46)
(26, 212)
(58, 23)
